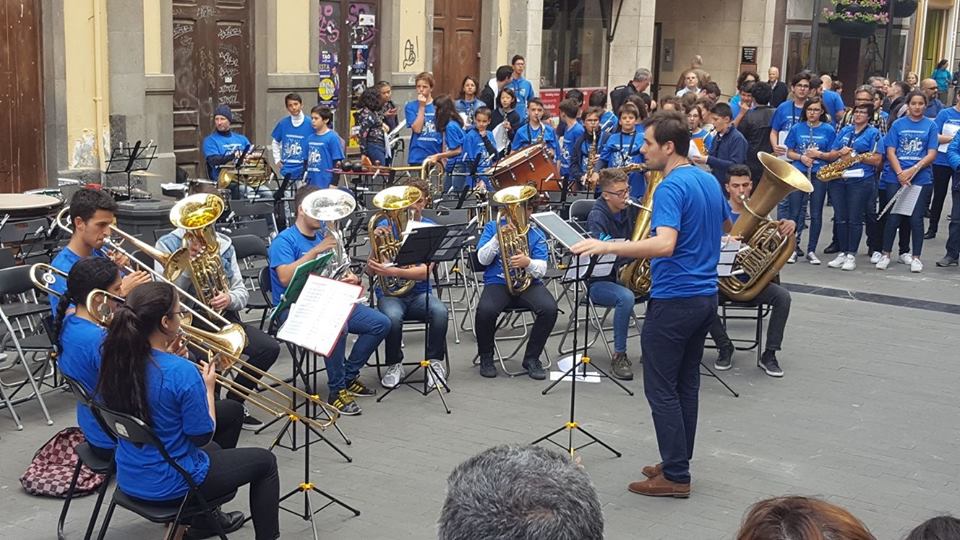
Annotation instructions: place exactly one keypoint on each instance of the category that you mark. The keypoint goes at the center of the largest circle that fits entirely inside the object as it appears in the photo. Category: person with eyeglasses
(608, 219)
(789, 113)
(934, 105)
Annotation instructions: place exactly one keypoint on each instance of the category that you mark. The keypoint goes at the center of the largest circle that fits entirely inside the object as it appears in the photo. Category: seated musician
(144, 373)
(223, 146)
(411, 306)
(496, 297)
(303, 243)
(607, 220)
(535, 131)
(778, 298)
(261, 350)
(622, 148)
(91, 214)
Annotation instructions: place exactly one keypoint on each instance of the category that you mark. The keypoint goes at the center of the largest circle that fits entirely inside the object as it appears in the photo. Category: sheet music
(325, 300)
(728, 256)
(693, 151)
(782, 141)
(907, 200)
(949, 130)
(500, 137)
(603, 268)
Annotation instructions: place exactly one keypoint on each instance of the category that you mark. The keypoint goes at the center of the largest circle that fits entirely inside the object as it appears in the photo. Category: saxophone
(592, 156)
(636, 275)
(837, 168)
(512, 236)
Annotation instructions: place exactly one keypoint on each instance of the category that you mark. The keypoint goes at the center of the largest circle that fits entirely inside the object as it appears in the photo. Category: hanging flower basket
(856, 18)
(904, 8)
(852, 29)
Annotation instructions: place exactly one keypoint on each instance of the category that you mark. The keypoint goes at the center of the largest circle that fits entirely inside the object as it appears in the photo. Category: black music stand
(128, 159)
(572, 424)
(421, 246)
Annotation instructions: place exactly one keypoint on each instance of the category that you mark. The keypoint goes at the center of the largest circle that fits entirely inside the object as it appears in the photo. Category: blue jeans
(916, 219)
(413, 307)
(817, 198)
(850, 200)
(455, 178)
(612, 294)
(378, 155)
(793, 208)
(672, 343)
(953, 241)
(372, 326)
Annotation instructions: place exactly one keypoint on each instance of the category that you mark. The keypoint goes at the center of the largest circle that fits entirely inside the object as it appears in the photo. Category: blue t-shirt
(621, 149)
(287, 247)
(453, 138)
(323, 153)
(64, 261)
(705, 135)
(421, 286)
(866, 141)
(527, 135)
(947, 116)
(834, 105)
(177, 398)
(524, 92)
(537, 241)
(79, 359)
(293, 145)
(222, 144)
(570, 138)
(911, 141)
(693, 205)
(428, 141)
(477, 156)
(608, 121)
(468, 108)
(786, 115)
(803, 137)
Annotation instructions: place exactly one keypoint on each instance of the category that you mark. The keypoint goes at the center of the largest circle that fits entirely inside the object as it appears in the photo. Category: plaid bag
(51, 470)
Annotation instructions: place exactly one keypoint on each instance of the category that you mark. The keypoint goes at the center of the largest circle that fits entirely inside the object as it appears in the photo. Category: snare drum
(528, 165)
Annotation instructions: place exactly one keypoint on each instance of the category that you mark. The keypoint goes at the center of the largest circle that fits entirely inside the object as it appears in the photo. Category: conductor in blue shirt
(690, 215)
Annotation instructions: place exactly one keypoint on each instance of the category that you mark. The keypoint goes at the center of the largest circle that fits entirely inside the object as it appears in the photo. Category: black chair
(128, 428)
(756, 314)
(266, 291)
(87, 457)
(256, 227)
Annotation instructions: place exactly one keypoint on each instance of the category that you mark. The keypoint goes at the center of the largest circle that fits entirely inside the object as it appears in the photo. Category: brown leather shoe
(652, 471)
(660, 486)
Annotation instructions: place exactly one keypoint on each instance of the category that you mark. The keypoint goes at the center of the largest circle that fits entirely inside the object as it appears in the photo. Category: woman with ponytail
(141, 374)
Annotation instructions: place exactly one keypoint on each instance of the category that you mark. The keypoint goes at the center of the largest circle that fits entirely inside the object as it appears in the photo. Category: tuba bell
(394, 204)
(766, 250)
(197, 215)
(512, 235)
(636, 275)
(329, 206)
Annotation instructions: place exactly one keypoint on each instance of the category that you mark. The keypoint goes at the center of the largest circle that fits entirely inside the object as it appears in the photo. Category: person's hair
(575, 95)
(608, 177)
(688, 99)
(292, 96)
(942, 64)
(534, 493)
(694, 73)
(670, 126)
(874, 78)
(419, 183)
(483, 111)
(322, 112)
(813, 101)
(87, 274)
(383, 84)
(476, 85)
(742, 78)
(85, 203)
(301, 195)
(747, 87)
(510, 92)
(879, 94)
(693, 108)
(446, 112)
(864, 88)
(815, 83)
(370, 100)
(640, 102)
(515, 58)
(670, 100)
(570, 108)
(868, 106)
(789, 518)
(761, 93)
(722, 109)
(914, 93)
(593, 110)
(598, 98)
(936, 528)
(537, 101)
(629, 108)
(642, 74)
(425, 76)
(712, 88)
(126, 350)
(802, 76)
(738, 169)
(504, 73)
(903, 86)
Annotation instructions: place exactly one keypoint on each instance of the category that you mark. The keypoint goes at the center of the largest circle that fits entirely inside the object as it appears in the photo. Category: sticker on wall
(329, 88)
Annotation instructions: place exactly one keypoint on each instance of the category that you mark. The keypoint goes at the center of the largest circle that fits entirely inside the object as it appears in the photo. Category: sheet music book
(603, 268)
(949, 130)
(564, 364)
(907, 200)
(500, 137)
(782, 141)
(317, 319)
(728, 256)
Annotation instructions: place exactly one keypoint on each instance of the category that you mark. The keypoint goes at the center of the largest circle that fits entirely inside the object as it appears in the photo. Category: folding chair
(251, 252)
(741, 311)
(128, 428)
(252, 210)
(256, 227)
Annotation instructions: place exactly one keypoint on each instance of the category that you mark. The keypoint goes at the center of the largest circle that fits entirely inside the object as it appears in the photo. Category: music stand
(420, 247)
(127, 159)
(572, 423)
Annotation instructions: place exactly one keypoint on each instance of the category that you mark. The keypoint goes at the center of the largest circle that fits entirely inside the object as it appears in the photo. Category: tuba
(394, 203)
(250, 169)
(636, 275)
(197, 215)
(766, 250)
(330, 206)
(512, 236)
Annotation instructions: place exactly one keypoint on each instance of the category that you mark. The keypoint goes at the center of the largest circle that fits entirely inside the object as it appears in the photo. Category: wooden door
(212, 65)
(21, 97)
(456, 44)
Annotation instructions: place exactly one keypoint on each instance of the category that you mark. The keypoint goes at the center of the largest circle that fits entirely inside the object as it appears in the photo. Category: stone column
(632, 45)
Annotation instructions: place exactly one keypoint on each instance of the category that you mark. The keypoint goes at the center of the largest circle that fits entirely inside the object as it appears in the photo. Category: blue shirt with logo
(79, 359)
(537, 241)
(621, 149)
(608, 121)
(429, 141)
(477, 156)
(911, 140)
(786, 115)
(524, 91)
(293, 145)
(453, 136)
(287, 247)
(527, 135)
(570, 138)
(946, 117)
(222, 144)
(64, 261)
(865, 141)
(323, 153)
(803, 137)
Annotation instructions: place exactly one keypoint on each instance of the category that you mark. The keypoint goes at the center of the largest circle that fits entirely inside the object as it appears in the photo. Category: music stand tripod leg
(717, 377)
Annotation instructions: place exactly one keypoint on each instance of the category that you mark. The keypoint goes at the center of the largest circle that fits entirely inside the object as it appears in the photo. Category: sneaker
(947, 261)
(812, 258)
(832, 248)
(838, 262)
(916, 266)
(793, 258)
(905, 258)
(875, 257)
(535, 369)
(930, 235)
(724, 359)
(850, 263)
(884, 262)
(622, 366)
(249, 422)
(345, 403)
(202, 526)
(393, 375)
(487, 369)
(769, 364)
(441, 373)
(358, 389)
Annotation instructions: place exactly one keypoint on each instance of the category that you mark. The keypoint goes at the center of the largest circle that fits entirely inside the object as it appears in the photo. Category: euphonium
(197, 214)
(394, 204)
(252, 171)
(512, 235)
(766, 249)
(330, 206)
(636, 275)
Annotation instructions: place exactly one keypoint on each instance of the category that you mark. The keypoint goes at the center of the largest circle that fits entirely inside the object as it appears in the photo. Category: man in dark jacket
(639, 84)
(755, 127)
(493, 87)
(778, 88)
(729, 146)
